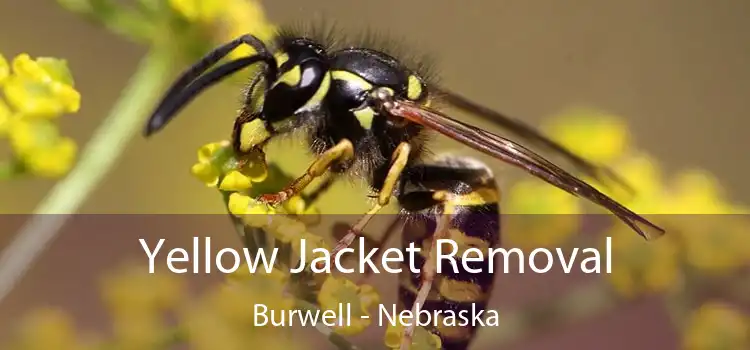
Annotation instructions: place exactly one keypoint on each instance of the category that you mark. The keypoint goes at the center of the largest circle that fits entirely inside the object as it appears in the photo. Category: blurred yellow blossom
(422, 339)
(640, 267)
(225, 317)
(644, 174)
(716, 325)
(36, 92)
(227, 19)
(241, 17)
(361, 298)
(4, 69)
(199, 10)
(714, 243)
(595, 135)
(49, 329)
(132, 289)
(40, 146)
(697, 192)
(541, 215)
(5, 118)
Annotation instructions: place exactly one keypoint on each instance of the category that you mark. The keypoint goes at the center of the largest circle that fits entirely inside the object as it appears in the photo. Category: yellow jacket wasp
(366, 114)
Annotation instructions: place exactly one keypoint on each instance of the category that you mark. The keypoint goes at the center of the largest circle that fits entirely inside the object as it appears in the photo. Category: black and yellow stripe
(468, 193)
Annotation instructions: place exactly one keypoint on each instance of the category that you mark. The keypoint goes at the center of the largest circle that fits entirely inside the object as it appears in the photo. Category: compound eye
(416, 90)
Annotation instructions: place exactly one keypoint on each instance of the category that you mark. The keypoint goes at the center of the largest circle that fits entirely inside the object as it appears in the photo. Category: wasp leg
(315, 194)
(398, 163)
(342, 151)
(429, 270)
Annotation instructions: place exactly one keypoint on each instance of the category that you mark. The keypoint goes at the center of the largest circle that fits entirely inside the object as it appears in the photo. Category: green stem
(97, 159)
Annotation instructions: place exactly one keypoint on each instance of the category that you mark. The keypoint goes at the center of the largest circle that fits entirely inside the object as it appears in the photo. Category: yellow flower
(139, 330)
(716, 325)
(5, 117)
(131, 290)
(225, 317)
(137, 301)
(643, 173)
(37, 91)
(39, 146)
(597, 136)
(209, 151)
(206, 173)
(697, 192)
(361, 298)
(639, 266)
(295, 205)
(49, 329)
(198, 10)
(4, 69)
(715, 243)
(541, 215)
(232, 300)
(232, 17)
(241, 17)
(217, 161)
(53, 161)
(422, 339)
(41, 88)
(239, 204)
(210, 161)
(235, 181)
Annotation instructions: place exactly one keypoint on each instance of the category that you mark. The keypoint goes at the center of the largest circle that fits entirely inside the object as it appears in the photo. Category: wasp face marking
(416, 89)
(302, 83)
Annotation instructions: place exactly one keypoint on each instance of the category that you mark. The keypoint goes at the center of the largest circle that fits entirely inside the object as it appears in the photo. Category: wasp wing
(515, 154)
(527, 132)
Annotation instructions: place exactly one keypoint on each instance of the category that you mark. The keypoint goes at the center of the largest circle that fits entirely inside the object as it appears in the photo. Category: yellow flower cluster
(137, 302)
(36, 93)
(224, 318)
(701, 230)
(716, 325)
(231, 18)
(154, 311)
(362, 299)
(690, 205)
(49, 329)
(218, 167)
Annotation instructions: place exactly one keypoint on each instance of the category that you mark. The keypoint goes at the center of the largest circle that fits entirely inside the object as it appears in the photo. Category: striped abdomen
(471, 205)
